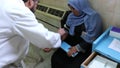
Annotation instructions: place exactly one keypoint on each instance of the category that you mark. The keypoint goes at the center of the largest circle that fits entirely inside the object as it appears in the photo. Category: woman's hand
(72, 50)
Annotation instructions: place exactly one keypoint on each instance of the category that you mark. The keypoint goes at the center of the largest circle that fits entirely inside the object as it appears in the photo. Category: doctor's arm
(26, 25)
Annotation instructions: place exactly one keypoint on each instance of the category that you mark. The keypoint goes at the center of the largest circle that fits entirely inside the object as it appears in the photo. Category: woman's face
(75, 12)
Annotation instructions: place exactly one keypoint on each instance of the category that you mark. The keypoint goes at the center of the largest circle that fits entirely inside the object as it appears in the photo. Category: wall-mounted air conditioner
(50, 15)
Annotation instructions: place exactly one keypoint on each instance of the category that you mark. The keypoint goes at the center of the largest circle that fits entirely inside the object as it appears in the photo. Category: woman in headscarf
(84, 26)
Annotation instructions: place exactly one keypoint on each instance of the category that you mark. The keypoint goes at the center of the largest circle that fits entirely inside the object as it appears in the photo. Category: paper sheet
(97, 62)
(101, 62)
(115, 45)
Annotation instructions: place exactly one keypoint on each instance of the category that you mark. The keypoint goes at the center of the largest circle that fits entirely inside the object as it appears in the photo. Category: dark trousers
(61, 60)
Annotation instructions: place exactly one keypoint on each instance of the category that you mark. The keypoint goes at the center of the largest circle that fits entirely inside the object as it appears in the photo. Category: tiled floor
(37, 58)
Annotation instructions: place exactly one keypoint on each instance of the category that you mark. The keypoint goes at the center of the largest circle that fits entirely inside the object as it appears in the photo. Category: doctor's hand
(72, 50)
(47, 49)
(63, 33)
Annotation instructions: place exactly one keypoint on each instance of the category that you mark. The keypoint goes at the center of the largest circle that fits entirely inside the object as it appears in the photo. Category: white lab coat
(18, 27)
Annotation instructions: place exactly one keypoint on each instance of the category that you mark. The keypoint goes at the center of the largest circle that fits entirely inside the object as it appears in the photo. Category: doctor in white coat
(18, 27)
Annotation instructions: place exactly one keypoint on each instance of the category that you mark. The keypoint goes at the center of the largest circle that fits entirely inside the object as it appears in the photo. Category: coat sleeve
(26, 25)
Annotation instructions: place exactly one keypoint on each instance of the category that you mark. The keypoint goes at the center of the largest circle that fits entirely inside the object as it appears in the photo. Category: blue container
(101, 45)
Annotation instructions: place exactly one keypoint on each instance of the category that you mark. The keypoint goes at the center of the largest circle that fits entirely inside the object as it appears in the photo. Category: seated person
(84, 25)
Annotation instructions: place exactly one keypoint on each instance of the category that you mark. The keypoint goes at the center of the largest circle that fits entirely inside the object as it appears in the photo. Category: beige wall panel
(116, 18)
(56, 3)
(106, 8)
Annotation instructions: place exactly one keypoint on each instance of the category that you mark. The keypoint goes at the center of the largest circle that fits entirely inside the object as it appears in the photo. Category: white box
(97, 61)
(115, 32)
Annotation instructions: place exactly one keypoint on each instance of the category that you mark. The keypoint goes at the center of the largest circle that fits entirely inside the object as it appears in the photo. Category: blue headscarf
(88, 16)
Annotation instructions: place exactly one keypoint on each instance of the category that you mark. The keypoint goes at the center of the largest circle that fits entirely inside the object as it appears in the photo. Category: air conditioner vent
(50, 15)
(42, 8)
(52, 11)
(55, 12)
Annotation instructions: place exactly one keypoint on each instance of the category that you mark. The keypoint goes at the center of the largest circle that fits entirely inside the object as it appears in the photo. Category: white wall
(109, 10)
